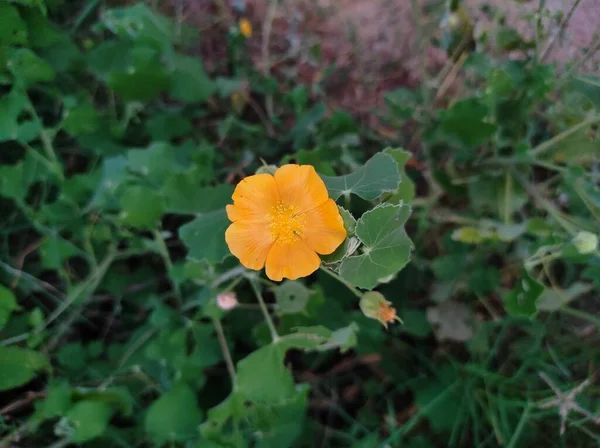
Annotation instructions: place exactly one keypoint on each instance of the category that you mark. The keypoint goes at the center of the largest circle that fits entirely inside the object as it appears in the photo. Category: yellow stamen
(284, 225)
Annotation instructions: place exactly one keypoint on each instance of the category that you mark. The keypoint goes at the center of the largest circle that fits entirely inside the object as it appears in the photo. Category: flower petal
(253, 198)
(291, 261)
(324, 228)
(300, 187)
(250, 242)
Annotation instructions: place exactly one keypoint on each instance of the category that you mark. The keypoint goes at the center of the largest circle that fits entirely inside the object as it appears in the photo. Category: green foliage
(19, 366)
(377, 176)
(385, 246)
(174, 416)
(472, 219)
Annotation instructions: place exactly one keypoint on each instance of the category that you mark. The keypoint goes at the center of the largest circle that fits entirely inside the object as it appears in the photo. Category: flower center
(285, 226)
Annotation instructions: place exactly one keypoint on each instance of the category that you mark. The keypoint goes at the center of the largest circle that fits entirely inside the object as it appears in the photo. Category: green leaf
(205, 236)
(11, 106)
(377, 176)
(18, 366)
(175, 416)
(292, 297)
(57, 401)
(81, 118)
(484, 279)
(29, 67)
(8, 304)
(13, 29)
(439, 399)
(142, 207)
(464, 124)
(15, 180)
(415, 323)
(406, 189)
(306, 125)
(262, 377)
(320, 338)
(386, 247)
(490, 193)
(154, 163)
(522, 299)
(114, 172)
(185, 194)
(42, 32)
(189, 81)
(139, 23)
(165, 127)
(89, 419)
(40, 4)
(143, 79)
(55, 251)
(589, 86)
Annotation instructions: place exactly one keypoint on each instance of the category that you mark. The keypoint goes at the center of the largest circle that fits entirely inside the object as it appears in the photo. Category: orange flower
(283, 220)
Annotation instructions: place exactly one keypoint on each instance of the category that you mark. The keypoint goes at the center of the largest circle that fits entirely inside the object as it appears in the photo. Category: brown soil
(373, 43)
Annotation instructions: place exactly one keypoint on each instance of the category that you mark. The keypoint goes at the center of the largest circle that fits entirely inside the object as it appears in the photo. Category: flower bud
(585, 242)
(227, 301)
(374, 306)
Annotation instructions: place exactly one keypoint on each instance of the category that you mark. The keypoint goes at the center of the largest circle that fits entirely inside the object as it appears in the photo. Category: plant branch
(348, 285)
(263, 308)
(548, 144)
(225, 350)
(561, 30)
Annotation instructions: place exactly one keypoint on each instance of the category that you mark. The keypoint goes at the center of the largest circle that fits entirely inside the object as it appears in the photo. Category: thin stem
(507, 198)
(591, 52)
(266, 36)
(538, 150)
(44, 137)
(164, 252)
(82, 292)
(263, 308)
(546, 204)
(228, 275)
(538, 26)
(225, 350)
(520, 426)
(581, 315)
(560, 30)
(335, 275)
(421, 44)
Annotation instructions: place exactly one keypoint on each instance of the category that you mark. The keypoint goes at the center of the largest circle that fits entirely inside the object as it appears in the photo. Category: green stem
(543, 147)
(263, 308)
(581, 315)
(225, 350)
(346, 283)
(561, 29)
(415, 6)
(44, 137)
(520, 426)
(507, 198)
(544, 203)
(85, 289)
(164, 252)
(266, 36)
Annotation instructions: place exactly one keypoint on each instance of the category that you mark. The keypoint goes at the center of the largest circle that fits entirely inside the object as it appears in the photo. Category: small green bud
(585, 242)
